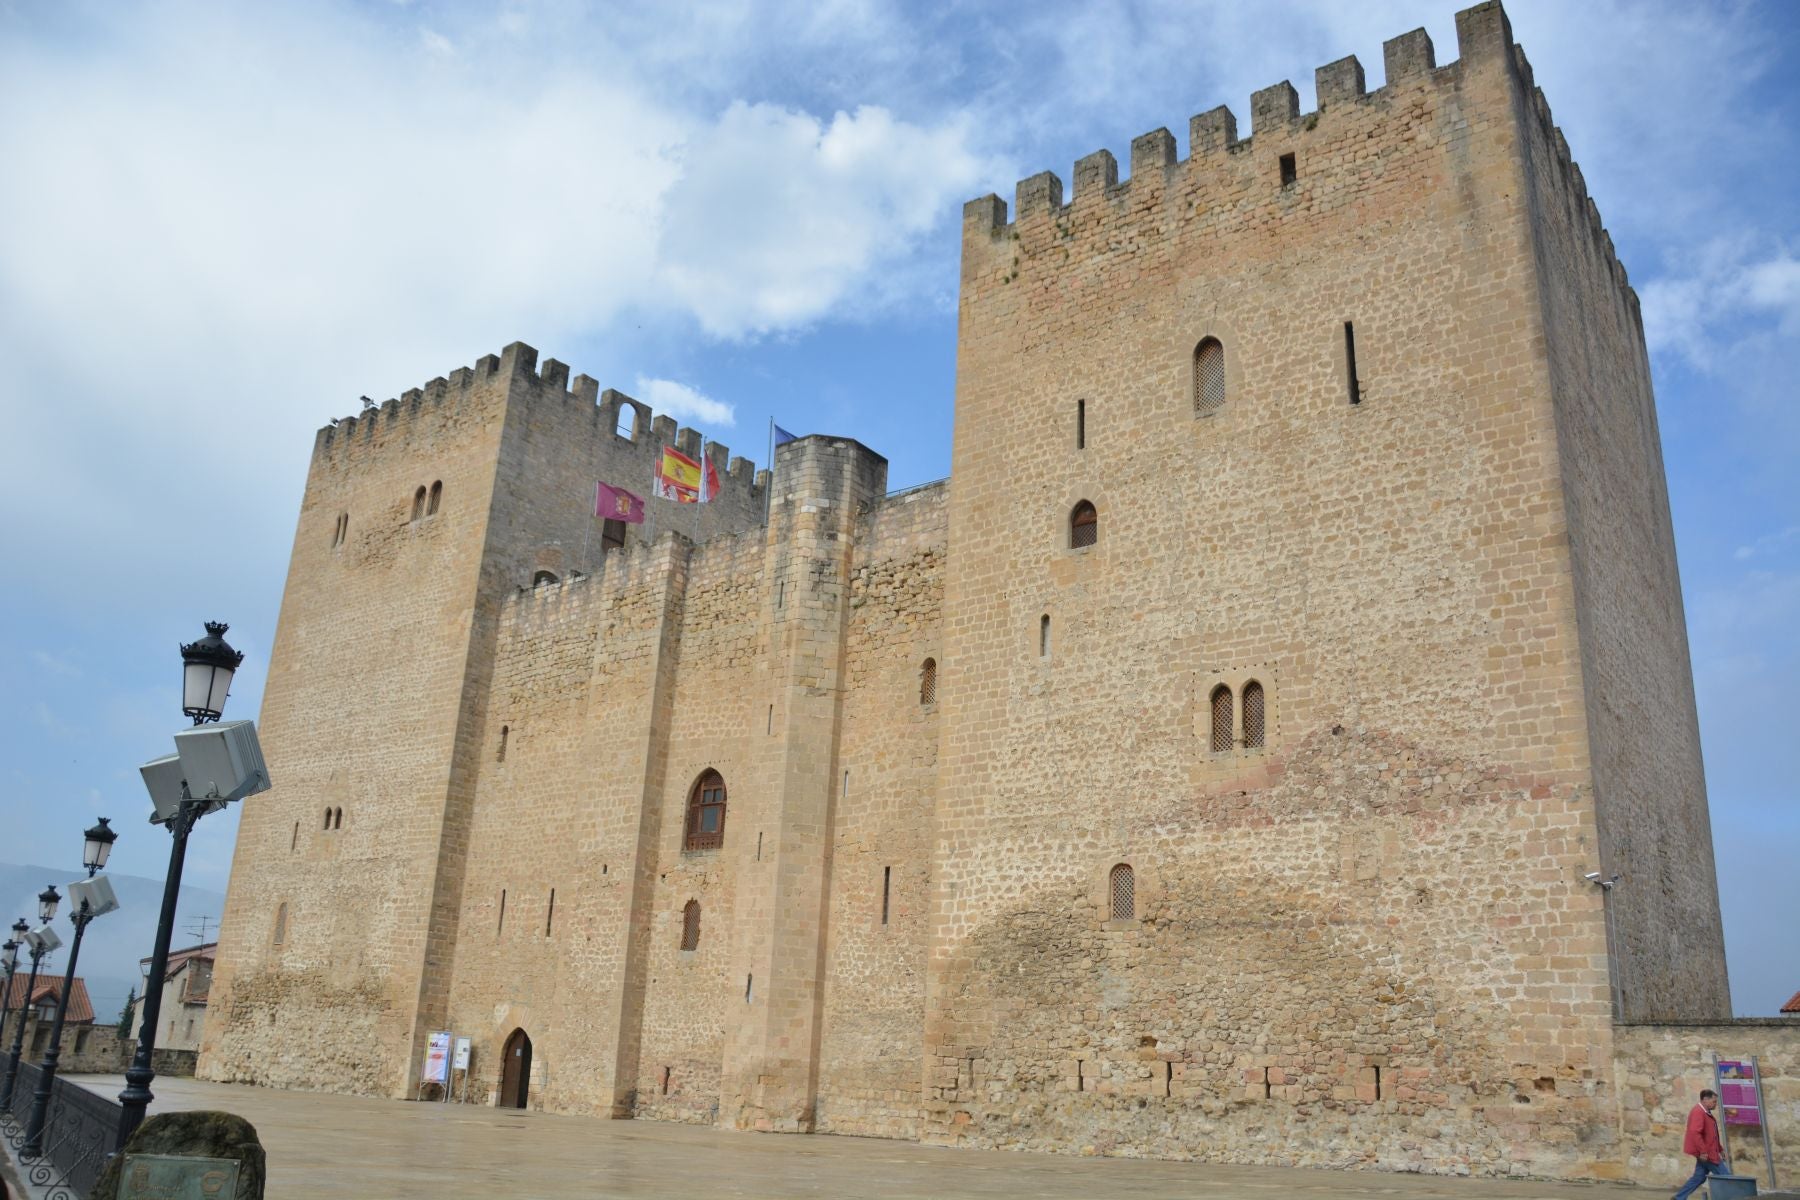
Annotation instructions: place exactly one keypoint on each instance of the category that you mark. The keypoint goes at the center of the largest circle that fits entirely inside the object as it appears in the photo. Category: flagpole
(586, 531)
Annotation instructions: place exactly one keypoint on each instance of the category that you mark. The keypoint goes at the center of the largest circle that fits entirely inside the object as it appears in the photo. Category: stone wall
(877, 927)
(1661, 1069)
(1373, 918)
(1255, 830)
(375, 712)
(1649, 787)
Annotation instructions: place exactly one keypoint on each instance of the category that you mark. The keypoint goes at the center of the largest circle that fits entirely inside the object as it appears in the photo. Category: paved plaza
(323, 1146)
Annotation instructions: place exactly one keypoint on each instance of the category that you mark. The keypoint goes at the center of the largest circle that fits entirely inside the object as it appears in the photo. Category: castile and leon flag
(681, 479)
(617, 504)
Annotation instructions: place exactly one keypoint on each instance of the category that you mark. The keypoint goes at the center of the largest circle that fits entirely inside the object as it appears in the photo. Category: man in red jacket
(1702, 1141)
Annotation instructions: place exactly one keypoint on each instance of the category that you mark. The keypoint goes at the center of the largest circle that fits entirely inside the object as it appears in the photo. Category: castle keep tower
(1211, 767)
(1312, 627)
(420, 518)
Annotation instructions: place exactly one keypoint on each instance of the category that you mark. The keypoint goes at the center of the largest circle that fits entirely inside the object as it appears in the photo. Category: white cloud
(1727, 290)
(779, 218)
(682, 402)
(231, 227)
(1768, 544)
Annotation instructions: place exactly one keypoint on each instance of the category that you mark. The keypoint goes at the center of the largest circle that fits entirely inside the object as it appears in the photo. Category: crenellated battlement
(1042, 214)
(1574, 183)
(1483, 32)
(611, 415)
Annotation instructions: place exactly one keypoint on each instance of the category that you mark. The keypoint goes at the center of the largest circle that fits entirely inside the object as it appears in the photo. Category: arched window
(281, 923)
(706, 813)
(928, 682)
(1209, 376)
(1122, 891)
(1084, 526)
(543, 577)
(337, 818)
(1221, 719)
(690, 926)
(1253, 715)
(437, 494)
(343, 528)
(328, 818)
(419, 503)
(1044, 636)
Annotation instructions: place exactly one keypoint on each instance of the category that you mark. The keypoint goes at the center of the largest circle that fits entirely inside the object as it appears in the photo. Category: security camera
(1592, 877)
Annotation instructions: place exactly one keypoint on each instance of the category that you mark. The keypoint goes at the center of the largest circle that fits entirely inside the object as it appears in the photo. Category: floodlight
(162, 779)
(222, 762)
(43, 940)
(97, 893)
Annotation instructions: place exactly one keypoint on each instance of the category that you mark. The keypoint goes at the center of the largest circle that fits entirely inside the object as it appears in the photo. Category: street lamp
(100, 839)
(206, 670)
(9, 957)
(47, 902)
(40, 946)
(90, 898)
(209, 770)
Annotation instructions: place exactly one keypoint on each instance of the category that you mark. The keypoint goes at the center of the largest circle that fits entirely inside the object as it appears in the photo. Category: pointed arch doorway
(515, 1071)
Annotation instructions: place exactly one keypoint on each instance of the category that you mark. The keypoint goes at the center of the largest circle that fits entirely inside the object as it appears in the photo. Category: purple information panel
(1737, 1093)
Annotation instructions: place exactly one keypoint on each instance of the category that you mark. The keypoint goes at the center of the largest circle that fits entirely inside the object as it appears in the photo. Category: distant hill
(114, 943)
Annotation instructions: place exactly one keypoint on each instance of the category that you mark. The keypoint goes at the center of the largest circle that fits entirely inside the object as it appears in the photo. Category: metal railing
(78, 1134)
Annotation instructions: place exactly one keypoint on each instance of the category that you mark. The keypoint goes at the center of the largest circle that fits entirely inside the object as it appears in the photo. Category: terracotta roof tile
(81, 1009)
(179, 957)
(1793, 1005)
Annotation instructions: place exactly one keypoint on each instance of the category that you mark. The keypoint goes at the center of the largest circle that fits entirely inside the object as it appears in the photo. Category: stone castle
(1212, 767)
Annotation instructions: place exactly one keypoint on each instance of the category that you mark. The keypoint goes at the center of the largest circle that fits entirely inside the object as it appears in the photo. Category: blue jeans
(1702, 1169)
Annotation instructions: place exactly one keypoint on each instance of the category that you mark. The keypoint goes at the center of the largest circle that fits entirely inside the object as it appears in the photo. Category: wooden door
(515, 1071)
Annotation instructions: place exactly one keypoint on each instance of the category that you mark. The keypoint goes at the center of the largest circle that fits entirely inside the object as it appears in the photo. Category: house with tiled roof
(1793, 1005)
(186, 985)
(40, 1012)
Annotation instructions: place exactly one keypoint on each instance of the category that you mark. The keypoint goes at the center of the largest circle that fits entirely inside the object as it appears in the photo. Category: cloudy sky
(220, 225)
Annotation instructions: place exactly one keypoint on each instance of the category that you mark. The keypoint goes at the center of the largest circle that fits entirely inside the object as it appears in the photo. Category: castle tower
(419, 518)
(1216, 765)
(1312, 629)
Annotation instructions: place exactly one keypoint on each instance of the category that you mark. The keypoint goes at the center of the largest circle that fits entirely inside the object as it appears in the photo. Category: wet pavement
(321, 1146)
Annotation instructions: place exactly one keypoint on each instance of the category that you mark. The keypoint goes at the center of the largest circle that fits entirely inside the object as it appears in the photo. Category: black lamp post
(9, 957)
(47, 899)
(97, 845)
(206, 670)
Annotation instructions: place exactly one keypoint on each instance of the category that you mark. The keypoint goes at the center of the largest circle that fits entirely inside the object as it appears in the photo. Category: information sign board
(1738, 1093)
(177, 1177)
(437, 1059)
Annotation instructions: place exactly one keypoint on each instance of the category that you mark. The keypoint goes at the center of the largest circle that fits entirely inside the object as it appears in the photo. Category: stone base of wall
(101, 1052)
(1660, 1070)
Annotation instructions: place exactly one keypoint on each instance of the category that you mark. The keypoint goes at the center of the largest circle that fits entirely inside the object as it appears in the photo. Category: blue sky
(220, 225)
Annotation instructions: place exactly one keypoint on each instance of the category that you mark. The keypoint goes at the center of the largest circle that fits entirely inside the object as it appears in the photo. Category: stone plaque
(177, 1177)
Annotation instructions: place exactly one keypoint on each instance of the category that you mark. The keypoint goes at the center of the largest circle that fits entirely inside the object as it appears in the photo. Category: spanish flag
(677, 477)
(681, 479)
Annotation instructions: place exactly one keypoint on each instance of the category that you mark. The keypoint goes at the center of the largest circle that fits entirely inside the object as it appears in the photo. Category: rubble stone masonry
(1210, 768)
